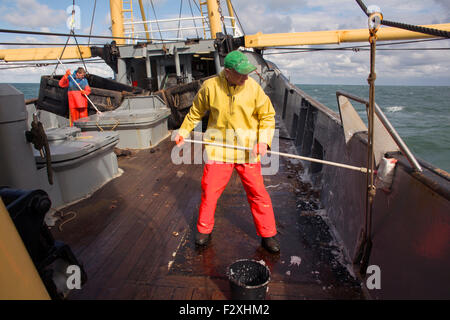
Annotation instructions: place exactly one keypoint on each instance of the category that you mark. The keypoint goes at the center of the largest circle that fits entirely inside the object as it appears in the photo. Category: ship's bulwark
(411, 224)
(136, 236)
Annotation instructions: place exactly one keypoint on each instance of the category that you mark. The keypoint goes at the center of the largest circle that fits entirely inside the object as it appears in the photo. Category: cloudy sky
(394, 67)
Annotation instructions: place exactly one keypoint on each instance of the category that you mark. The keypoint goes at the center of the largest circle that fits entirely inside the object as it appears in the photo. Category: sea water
(420, 114)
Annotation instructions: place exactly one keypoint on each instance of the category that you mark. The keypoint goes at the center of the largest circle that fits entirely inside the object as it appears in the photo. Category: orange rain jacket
(76, 99)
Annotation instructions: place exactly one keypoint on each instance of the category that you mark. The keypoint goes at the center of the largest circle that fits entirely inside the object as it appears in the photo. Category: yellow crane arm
(19, 279)
(261, 40)
(35, 54)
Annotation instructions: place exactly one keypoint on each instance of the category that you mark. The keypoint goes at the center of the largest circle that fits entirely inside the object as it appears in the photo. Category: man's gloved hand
(179, 140)
(83, 92)
(67, 73)
(260, 148)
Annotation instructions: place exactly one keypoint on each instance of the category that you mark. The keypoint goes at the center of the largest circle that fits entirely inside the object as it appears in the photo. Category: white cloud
(31, 13)
(281, 16)
(351, 67)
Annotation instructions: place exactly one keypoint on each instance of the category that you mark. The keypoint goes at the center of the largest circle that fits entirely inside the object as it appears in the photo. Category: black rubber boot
(202, 239)
(271, 244)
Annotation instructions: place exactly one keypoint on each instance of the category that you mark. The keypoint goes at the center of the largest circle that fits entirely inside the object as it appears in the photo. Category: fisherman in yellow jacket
(241, 114)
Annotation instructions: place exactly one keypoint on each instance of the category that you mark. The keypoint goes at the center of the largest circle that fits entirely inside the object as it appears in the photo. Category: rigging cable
(364, 246)
(76, 41)
(72, 22)
(156, 19)
(48, 44)
(46, 63)
(9, 66)
(62, 52)
(92, 22)
(367, 46)
(179, 19)
(271, 48)
(65, 34)
(409, 27)
(81, 54)
(237, 17)
(192, 14)
(357, 48)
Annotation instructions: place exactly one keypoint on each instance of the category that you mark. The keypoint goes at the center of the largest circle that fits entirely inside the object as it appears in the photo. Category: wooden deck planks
(135, 237)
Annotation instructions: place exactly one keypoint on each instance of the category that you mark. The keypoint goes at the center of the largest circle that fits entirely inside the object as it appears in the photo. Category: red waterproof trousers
(77, 101)
(77, 106)
(215, 178)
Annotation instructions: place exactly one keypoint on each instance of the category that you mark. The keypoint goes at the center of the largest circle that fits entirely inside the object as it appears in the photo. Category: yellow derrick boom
(260, 40)
(36, 54)
(19, 278)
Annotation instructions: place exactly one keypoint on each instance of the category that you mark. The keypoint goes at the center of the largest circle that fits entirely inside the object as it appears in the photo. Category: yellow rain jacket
(239, 115)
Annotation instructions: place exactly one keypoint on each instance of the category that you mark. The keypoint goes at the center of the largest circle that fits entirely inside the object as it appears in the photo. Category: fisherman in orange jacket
(77, 97)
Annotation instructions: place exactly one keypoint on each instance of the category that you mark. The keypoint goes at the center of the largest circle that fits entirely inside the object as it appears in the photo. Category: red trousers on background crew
(77, 106)
(77, 113)
(215, 178)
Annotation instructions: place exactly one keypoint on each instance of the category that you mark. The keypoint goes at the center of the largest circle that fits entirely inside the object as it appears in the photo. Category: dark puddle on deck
(309, 254)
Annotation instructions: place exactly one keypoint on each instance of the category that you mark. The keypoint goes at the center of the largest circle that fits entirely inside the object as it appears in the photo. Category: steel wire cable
(41, 33)
(156, 19)
(92, 22)
(409, 27)
(358, 48)
(237, 17)
(192, 14)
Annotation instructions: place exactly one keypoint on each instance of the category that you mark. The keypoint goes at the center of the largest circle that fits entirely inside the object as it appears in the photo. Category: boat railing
(166, 28)
(392, 132)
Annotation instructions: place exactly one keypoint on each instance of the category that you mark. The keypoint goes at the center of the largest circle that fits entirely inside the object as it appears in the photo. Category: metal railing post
(392, 132)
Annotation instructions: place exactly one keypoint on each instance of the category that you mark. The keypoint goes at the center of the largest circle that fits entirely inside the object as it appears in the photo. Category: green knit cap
(238, 61)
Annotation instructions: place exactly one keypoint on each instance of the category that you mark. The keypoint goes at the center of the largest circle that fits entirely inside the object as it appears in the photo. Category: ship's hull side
(410, 225)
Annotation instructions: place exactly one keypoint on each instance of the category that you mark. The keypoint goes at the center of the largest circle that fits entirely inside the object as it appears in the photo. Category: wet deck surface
(135, 236)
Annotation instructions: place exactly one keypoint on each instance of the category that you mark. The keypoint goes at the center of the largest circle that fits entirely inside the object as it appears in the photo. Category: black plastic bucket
(248, 280)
